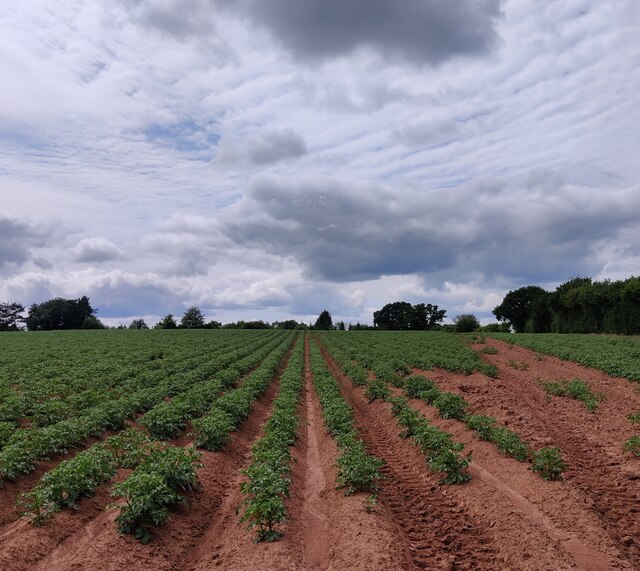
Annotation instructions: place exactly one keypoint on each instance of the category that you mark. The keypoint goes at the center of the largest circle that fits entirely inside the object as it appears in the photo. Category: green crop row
(153, 487)
(80, 476)
(27, 446)
(357, 471)
(213, 430)
(268, 480)
(167, 419)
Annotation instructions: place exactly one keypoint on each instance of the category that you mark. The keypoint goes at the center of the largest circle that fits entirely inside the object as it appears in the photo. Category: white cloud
(97, 249)
(225, 169)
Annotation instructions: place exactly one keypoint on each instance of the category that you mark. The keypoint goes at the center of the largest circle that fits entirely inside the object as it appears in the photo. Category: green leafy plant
(633, 445)
(488, 350)
(575, 389)
(370, 503)
(548, 463)
(634, 418)
(509, 443)
(377, 389)
(484, 426)
(450, 405)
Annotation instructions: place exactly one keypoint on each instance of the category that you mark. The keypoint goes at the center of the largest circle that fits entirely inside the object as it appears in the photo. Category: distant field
(351, 450)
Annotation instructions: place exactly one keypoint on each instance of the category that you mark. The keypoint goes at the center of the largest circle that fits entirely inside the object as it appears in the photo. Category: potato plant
(357, 471)
(153, 487)
(576, 389)
(268, 479)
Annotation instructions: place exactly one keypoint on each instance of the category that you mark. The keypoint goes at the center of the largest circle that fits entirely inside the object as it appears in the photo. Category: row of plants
(268, 479)
(66, 484)
(442, 453)
(357, 470)
(25, 447)
(575, 389)
(546, 461)
(213, 430)
(167, 419)
(39, 394)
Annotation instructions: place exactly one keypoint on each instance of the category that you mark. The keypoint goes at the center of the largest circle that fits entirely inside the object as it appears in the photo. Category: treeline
(580, 305)
(403, 315)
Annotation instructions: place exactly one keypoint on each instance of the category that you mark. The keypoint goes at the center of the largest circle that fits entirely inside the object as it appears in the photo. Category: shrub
(548, 463)
(466, 323)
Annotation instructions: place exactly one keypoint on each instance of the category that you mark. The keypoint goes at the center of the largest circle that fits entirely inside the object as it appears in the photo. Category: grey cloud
(96, 250)
(17, 240)
(422, 31)
(180, 19)
(429, 133)
(268, 146)
(536, 229)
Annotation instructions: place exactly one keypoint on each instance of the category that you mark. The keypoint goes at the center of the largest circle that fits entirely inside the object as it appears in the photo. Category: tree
(403, 315)
(340, 326)
(396, 315)
(426, 317)
(138, 324)
(92, 322)
(517, 306)
(466, 323)
(59, 313)
(192, 319)
(167, 322)
(10, 316)
(324, 321)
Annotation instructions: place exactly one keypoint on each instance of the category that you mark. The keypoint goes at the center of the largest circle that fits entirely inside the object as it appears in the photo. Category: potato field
(367, 450)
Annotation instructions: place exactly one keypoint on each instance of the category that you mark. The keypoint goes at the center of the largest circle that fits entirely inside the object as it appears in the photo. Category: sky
(268, 159)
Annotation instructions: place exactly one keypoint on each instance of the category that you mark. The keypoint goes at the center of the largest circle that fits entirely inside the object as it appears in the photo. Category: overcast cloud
(269, 158)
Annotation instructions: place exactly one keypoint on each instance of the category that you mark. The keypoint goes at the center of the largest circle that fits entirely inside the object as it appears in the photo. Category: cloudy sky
(266, 159)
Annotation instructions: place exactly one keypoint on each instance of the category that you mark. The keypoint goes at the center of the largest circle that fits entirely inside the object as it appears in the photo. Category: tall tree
(324, 321)
(10, 316)
(192, 319)
(59, 313)
(396, 315)
(517, 306)
(403, 315)
(167, 322)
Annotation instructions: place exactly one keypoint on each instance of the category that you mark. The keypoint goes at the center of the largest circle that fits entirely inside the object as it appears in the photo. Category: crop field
(240, 449)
